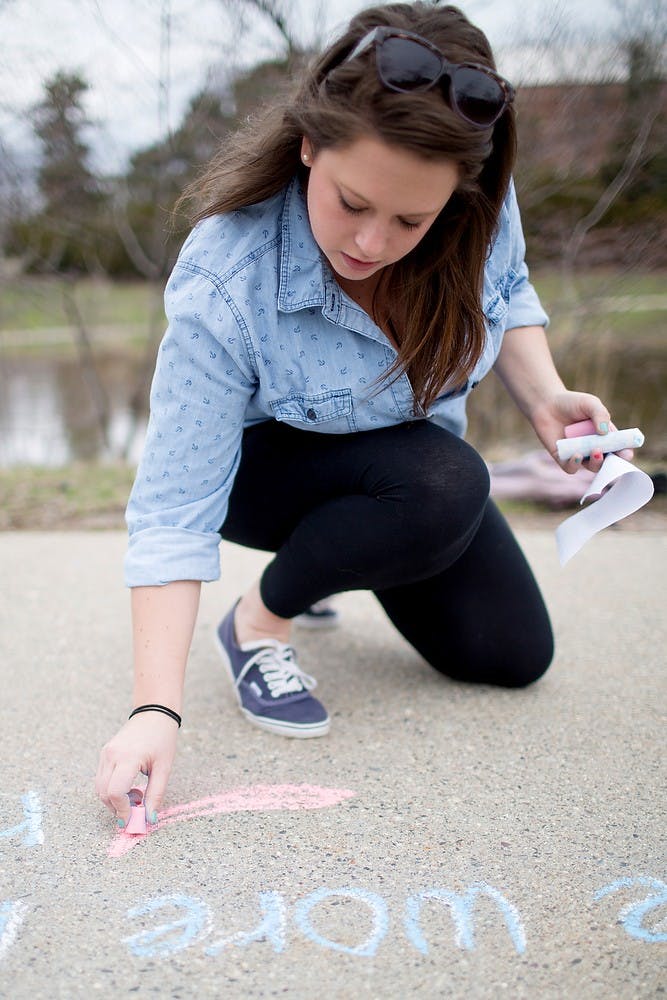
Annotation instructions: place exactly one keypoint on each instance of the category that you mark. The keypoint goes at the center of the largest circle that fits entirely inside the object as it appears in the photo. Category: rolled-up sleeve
(202, 384)
(525, 308)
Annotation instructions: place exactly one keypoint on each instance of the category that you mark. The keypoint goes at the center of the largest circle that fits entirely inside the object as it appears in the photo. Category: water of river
(48, 416)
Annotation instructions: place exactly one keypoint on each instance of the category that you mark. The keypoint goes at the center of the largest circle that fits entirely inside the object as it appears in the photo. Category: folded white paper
(620, 488)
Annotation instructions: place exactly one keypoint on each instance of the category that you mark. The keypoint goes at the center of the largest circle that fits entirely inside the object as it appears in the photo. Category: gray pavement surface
(495, 843)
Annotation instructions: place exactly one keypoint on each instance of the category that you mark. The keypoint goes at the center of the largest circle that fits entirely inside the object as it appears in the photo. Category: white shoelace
(275, 661)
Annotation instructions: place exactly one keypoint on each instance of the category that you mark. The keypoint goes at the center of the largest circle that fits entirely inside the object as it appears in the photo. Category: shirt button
(311, 414)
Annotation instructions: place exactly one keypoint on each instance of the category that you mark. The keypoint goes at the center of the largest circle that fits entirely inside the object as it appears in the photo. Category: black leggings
(403, 511)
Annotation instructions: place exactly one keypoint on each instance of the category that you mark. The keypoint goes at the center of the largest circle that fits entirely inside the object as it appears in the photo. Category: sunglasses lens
(406, 65)
(478, 97)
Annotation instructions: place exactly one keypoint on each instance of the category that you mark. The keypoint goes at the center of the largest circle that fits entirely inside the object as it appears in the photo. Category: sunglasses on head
(406, 62)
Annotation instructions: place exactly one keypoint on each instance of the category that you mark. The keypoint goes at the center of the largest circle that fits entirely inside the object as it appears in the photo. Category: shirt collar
(301, 265)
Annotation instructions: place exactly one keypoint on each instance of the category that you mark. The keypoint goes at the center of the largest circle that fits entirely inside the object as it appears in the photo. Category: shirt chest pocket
(328, 412)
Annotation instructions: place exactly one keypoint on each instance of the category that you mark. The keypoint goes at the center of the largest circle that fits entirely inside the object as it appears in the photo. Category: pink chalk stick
(137, 821)
(252, 798)
(581, 428)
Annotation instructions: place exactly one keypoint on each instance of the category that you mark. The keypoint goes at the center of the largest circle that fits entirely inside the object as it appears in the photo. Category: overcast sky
(119, 47)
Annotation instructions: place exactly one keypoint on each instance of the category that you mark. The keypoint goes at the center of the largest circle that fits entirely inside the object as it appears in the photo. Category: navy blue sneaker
(272, 691)
(322, 614)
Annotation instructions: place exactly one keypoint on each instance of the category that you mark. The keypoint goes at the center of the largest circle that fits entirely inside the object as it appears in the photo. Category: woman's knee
(510, 665)
(440, 485)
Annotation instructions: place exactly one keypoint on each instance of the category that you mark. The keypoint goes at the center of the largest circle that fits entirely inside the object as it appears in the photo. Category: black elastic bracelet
(157, 708)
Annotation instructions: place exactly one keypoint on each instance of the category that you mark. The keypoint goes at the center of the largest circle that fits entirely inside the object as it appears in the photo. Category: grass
(81, 496)
(85, 497)
(37, 303)
(599, 283)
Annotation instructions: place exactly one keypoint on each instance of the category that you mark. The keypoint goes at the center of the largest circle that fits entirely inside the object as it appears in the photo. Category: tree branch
(270, 9)
(612, 191)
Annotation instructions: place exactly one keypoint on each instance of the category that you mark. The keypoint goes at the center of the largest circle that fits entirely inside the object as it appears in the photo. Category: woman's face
(369, 204)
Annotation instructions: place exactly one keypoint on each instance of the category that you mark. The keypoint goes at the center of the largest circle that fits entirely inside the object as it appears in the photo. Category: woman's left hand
(552, 416)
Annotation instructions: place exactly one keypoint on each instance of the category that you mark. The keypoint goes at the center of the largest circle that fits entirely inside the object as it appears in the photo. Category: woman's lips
(359, 265)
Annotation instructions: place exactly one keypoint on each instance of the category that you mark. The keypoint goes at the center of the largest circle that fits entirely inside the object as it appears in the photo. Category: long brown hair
(433, 296)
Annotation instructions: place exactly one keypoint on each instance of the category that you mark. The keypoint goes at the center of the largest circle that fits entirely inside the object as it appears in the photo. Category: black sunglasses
(407, 62)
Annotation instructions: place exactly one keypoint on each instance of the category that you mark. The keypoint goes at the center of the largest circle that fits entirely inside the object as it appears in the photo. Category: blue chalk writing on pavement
(31, 826)
(271, 927)
(376, 904)
(12, 915)
(632, 916)
(462, 910)
(160, 941)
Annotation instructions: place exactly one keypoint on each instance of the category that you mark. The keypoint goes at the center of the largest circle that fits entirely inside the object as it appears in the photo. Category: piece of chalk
(580, 428)
(631, 437)
(137, 820)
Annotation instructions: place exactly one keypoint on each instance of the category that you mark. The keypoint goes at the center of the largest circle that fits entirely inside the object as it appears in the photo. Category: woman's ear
(306, 151)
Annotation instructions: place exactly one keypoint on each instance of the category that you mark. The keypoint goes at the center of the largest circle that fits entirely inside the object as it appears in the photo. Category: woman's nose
(371, 240)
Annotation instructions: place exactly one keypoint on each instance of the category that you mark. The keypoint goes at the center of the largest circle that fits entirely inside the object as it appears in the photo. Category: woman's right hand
(147, 744)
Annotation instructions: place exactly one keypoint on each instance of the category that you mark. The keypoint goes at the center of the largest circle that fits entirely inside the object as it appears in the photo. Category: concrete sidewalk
(452, 841)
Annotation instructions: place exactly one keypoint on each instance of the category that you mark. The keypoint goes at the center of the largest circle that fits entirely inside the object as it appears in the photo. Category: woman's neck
(363, 293)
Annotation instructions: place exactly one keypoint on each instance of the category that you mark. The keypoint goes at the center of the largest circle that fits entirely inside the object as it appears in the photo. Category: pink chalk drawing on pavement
(252, 798)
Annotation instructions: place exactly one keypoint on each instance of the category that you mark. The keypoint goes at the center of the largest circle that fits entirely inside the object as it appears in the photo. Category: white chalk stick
(631, 437)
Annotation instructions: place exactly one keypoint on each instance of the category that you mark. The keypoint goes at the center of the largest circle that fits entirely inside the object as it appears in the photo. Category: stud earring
(305, 157)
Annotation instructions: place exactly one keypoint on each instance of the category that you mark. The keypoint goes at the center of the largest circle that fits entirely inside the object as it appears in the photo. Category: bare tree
(637, 154)
(285, 20)
(584, 142)
(591, 179)
(641, 40)
(646, 21)
(11, 192)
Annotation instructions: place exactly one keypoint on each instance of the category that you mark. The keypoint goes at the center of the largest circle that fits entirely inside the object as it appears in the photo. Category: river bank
(80, 395)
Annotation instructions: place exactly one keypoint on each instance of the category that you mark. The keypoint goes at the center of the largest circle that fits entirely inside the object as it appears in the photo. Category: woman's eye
(349, 208)
(357, 211)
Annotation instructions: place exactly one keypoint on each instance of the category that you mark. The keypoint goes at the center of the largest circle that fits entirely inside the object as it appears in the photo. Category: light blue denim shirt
(259, 329)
